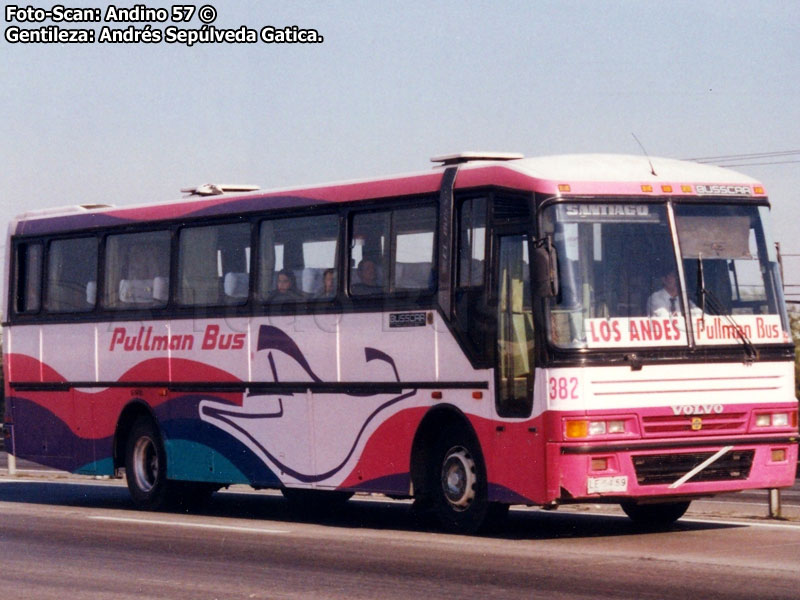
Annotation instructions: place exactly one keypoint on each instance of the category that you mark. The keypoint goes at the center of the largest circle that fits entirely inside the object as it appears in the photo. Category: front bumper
(672, 469)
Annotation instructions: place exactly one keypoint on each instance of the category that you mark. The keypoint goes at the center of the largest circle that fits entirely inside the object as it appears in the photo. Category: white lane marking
(40, 472)
(756, 502)
(105, 482)
(693, 519)
(781, 525)
(189, 525)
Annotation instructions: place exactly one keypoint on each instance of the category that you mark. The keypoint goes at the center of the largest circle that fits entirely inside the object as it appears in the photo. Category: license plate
(608, 485)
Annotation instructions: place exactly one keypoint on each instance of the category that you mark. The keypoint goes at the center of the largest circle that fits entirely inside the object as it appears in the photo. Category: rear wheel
(457, 485)
(146, 466)
(655, 515)
(146, 473)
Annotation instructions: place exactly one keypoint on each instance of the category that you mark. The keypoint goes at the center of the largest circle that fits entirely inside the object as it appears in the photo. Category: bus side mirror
(545, 265)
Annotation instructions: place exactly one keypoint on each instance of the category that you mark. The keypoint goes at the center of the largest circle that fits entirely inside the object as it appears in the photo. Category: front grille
(676, 425)
(659, 469)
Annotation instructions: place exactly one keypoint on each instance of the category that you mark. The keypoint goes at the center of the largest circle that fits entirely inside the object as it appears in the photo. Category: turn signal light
(577, 429)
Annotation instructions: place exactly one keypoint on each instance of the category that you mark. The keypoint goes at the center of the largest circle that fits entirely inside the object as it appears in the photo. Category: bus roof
(577, 174)
(626, 168)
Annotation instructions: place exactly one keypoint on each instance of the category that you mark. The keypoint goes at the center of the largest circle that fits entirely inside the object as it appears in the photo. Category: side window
(413, 235)
(214, 265)
(474, 318)
(369, 253)
(471, 242)
(28, 278)
(392, 251)
(137, 270)
(297, 259)
(71, 275)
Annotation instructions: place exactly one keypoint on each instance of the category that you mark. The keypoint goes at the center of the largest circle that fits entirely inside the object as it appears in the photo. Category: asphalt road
(82, 539)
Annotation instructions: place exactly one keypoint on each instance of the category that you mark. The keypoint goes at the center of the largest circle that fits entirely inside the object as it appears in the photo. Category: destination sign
(611, 213)
(671, 331)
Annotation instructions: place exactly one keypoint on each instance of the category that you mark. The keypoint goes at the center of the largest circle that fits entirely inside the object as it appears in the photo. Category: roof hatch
(463, 157)
(213, 189)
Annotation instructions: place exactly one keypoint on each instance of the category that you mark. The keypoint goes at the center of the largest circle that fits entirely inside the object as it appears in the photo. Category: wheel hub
(145, 464)
(458, 478)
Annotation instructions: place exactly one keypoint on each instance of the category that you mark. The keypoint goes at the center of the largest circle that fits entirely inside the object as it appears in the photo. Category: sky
(395, 83)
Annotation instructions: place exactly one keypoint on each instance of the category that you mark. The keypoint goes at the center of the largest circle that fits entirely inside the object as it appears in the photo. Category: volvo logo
(697, 423)
(697, 409)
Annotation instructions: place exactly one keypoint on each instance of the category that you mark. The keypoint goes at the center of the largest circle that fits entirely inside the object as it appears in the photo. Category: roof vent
(213, 189)
(463, 157)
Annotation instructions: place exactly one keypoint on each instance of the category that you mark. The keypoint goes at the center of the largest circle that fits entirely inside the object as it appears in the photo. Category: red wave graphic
(94, 415)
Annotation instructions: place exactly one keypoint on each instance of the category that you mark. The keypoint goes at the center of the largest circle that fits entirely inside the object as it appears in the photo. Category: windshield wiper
(707, 297)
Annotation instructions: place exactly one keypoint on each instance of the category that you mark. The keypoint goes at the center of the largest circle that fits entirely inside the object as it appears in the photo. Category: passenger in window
(146, 283)
(368, 279)
(666, 302)
(328, 284)
(285, 288)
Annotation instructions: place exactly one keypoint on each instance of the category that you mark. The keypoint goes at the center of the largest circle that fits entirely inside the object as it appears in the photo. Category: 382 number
(563, 388)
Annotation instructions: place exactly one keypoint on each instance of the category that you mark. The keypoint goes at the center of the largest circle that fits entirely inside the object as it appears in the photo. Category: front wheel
(457, 482)
(655, 515)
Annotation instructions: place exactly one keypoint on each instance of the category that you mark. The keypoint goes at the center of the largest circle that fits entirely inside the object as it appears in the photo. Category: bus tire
(655, 515)
(146, 466)
(457, 480)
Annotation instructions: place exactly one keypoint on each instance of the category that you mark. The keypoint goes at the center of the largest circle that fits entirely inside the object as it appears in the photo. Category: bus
(496, 331)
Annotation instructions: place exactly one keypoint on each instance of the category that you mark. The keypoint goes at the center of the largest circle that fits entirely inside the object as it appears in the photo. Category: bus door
(519, 444)
(514, 340)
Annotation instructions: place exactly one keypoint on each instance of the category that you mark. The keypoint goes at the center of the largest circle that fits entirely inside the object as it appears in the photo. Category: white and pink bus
(499, 330)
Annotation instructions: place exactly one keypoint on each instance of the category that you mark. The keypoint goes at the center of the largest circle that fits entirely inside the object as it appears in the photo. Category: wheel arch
(435, 421)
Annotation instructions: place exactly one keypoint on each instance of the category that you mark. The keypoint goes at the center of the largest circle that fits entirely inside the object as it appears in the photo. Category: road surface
(65, 536)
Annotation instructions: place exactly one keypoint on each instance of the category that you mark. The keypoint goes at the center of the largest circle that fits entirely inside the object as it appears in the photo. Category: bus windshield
(619, 281)
(732, 272)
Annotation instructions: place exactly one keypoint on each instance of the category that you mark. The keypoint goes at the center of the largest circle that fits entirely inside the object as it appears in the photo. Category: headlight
(616, 427)
(780, 420)
(582, 428)
(763, 420)
(597, 427)
(773, 420)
